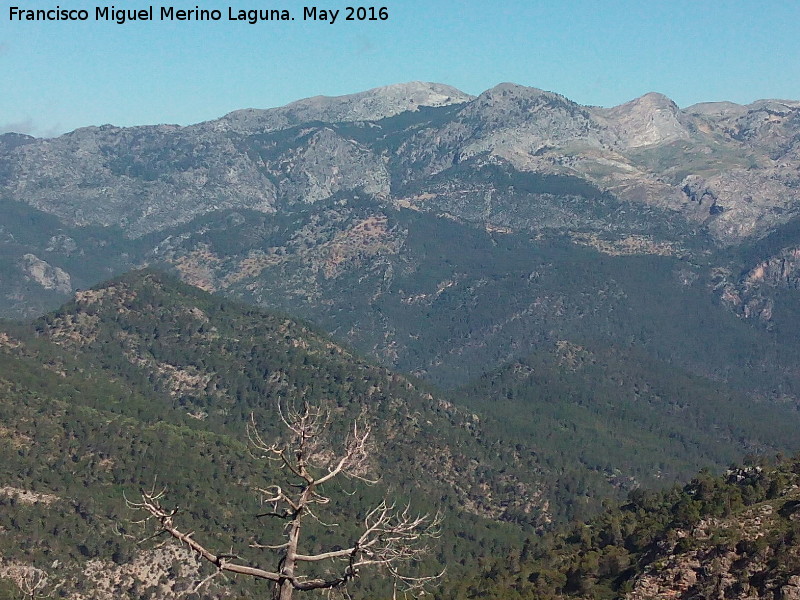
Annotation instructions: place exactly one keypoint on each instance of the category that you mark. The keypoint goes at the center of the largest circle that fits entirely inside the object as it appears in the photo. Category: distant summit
(371, 105)
(645, 121)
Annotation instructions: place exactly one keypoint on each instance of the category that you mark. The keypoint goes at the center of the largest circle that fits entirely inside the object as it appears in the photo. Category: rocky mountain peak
(773, 105)
(770, 126)
(381, 102)
(371, 105)
(509, 105)
(416, 93)
(645, 121)
(716, 109)
(518, 124)
(655, 99)
(9, 141)
(505, 93)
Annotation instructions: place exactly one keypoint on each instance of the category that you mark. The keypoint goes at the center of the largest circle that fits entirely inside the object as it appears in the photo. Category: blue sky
(58, 76)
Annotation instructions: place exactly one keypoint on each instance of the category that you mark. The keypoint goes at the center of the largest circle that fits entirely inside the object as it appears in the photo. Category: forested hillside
(736, 536)
(147, 381)
(627, 420)
(144, 380)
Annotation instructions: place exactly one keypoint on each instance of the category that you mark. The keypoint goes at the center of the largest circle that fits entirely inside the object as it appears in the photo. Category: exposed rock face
(141, 179)
(325, 164)
(646, 121)
(751, 294)
(782, 270)
(791, 591)
(47, 276)
(731, 559)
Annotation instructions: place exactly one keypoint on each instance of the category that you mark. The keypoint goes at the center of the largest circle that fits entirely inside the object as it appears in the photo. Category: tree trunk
(286, 589)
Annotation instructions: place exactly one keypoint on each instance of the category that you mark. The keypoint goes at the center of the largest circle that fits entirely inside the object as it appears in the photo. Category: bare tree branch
(32, 582)
(150, 504)
(390, 537)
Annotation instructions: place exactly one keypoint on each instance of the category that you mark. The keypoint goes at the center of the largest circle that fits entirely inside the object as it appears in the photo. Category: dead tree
(30, 581)
(391, 537)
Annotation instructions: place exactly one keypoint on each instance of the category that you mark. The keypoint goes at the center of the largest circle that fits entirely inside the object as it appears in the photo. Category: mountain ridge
(370, 105)
(532, 129)
(431, 94)
(294, 216)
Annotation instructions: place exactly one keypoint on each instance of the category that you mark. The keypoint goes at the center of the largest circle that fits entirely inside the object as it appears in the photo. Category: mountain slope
(626, 418)
(449, 302)
(194, 357)
(145, 379)
(732, 537)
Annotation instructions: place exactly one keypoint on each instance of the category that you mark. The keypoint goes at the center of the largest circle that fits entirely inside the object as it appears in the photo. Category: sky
(60, 75)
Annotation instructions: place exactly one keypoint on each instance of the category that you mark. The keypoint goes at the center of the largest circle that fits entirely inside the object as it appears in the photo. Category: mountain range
(734, 163)
(587, 301)
(531, 217)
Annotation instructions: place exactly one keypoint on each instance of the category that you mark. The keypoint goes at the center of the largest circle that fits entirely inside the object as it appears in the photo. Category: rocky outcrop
(751, 295)
(325, 163)
(781, 270)
(46, 275)
(646, 121)
(732, 558)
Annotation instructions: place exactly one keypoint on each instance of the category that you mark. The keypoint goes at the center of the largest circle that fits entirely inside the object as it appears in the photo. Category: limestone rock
(46, 275)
